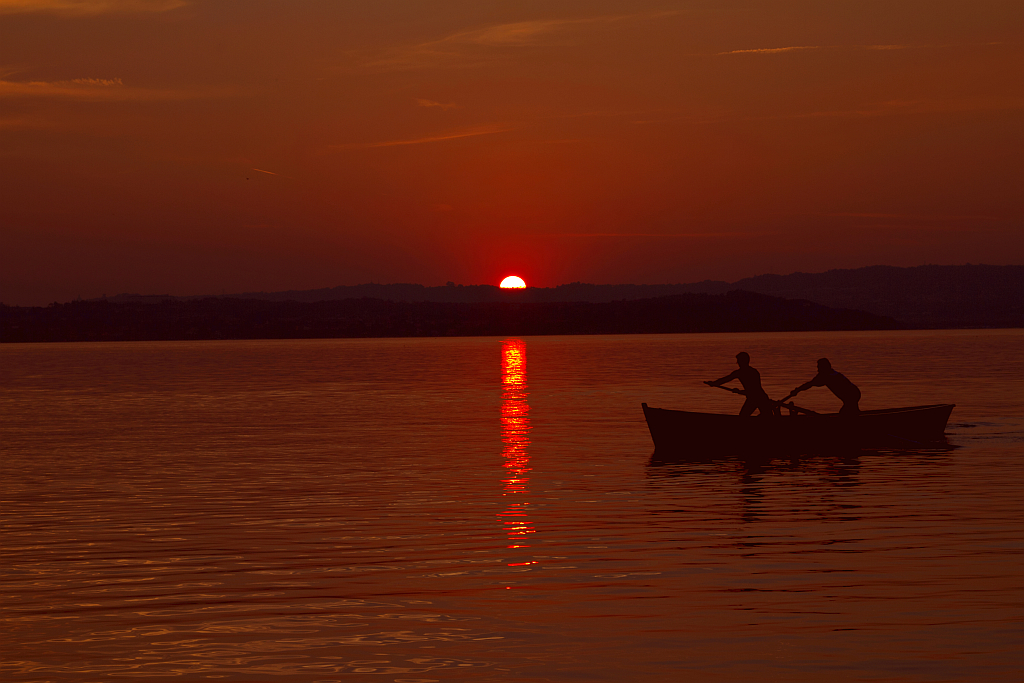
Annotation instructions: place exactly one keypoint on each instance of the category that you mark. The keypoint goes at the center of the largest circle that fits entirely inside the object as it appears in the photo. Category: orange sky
(175, 146)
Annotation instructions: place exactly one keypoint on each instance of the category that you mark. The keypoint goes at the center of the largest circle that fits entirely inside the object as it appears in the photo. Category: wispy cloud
(771, 50)
(466, 48)
(273, 173)
(915, 217)
(667, 235)
(96, 89)
(898, 107)
(938, 46)
(833, 48)
(101, 82)
(540, 31)
(33, 122)
(87, 7)
(468, 133)
(431, 103)
(916, 223)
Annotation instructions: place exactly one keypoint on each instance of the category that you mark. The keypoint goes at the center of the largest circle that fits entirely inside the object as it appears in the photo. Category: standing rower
(844, 389)
(750, 378)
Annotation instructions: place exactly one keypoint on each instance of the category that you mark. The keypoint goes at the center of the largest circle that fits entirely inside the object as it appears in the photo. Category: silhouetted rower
(750, 378)
(844, 389)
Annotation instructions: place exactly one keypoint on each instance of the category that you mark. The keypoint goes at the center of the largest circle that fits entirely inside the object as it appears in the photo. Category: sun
(513, 282)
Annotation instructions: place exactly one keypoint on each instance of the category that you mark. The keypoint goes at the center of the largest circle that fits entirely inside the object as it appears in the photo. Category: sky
(217, 146)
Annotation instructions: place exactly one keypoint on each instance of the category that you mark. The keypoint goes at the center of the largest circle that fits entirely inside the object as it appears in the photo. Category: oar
(790, 406)
(798, 409)
(719, 386)
(795, 407)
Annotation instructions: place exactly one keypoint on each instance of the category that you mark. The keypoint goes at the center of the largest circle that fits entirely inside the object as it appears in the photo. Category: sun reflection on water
(515, 438)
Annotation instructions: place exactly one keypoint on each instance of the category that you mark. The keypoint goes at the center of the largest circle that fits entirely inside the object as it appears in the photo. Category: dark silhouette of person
(845, 390)
(750, 378)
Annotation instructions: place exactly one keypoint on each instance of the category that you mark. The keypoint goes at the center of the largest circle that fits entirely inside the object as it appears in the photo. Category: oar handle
(796, 408)
(781, 403)
(719, 386)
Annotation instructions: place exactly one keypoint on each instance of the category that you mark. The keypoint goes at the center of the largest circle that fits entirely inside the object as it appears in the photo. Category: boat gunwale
(916, 425)
(880, 411)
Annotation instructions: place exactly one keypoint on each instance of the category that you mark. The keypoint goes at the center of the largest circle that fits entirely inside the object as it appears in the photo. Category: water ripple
(321, 511)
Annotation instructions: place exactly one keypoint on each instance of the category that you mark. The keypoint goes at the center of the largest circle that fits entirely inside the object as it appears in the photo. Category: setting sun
(513, 282)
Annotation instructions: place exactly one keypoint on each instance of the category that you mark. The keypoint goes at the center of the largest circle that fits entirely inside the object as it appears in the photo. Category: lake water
(419, 510)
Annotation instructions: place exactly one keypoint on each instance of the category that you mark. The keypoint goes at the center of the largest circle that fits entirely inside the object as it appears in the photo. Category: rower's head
(824, 365)
(743, 359)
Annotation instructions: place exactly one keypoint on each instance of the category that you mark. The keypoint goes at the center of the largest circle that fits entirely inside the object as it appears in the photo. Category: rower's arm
(722, 380)
(815, 382)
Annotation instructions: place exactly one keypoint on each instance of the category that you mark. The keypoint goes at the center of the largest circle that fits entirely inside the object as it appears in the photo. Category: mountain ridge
(927, 297)
(224, 318)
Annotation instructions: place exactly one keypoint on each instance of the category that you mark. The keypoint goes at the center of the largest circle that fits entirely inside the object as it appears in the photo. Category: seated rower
(750, 378)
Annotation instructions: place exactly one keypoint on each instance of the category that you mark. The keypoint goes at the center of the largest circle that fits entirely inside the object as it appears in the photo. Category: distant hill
(920, 297)
(452, 293)
(224, 318)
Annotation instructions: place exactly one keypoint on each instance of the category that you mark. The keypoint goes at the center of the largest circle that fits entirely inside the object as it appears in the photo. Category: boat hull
(913, 427)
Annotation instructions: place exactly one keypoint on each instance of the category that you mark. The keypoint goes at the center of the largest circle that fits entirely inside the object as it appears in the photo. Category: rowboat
(684, 431)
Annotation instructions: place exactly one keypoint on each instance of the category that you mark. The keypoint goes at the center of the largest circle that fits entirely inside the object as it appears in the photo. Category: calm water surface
(488, 509)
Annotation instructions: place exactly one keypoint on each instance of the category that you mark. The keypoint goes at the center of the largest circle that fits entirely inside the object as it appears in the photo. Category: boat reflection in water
(515, 439)
(770, 482)
(763, 488)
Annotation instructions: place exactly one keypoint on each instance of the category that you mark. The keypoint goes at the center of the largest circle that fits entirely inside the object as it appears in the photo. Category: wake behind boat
(911, 427)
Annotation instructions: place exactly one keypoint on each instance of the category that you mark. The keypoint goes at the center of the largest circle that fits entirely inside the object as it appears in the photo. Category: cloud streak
(431, 103)
(27, 123)
(898, 107)
(469, 133)
(96, 90)
(88, 7)
(522, 33)
(667, 235)
(771, 50)
(800, 48)
(914, 216)
(475, 46)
